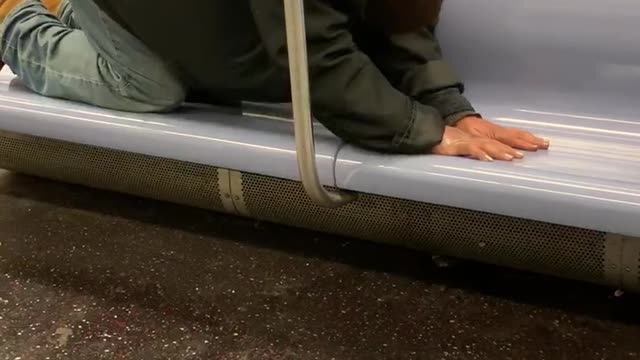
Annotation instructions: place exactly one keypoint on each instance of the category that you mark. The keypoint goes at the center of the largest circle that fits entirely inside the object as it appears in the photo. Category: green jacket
(387, 93)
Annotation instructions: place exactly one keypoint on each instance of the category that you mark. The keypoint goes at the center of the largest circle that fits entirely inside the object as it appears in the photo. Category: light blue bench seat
(589, 179)
(261, 143)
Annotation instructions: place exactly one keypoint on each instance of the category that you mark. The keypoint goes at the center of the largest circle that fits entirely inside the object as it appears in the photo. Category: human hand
(515, 138)
(456, 142)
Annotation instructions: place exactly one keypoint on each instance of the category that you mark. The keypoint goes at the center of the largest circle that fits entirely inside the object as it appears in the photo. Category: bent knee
(168, 99)
(163, 96)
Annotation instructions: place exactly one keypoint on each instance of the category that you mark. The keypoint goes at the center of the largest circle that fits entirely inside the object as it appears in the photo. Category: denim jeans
(83, 55)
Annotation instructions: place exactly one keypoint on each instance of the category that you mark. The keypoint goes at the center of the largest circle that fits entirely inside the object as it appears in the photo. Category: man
(377, 75)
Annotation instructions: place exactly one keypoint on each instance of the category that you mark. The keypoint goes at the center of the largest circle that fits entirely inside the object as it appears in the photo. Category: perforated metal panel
(524, 244)
(631, 263)
(156, 178)
(519, 243)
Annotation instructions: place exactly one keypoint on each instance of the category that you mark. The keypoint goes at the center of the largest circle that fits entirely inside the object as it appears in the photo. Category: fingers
(522, 140)
(480, 148)
(513, 153)
(478, 153)
(543, 144)
(494, 150)
(529, 138)
(522, 144)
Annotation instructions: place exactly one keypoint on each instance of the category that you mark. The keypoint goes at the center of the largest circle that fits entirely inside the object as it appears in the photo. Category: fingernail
(546, 142)
(508, 156)
(488, 158)
(519, 154)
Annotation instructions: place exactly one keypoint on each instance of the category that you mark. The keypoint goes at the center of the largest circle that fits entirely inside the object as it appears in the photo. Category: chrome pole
(301, 100)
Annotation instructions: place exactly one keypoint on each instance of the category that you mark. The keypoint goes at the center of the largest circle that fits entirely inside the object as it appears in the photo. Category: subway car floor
(90, 275)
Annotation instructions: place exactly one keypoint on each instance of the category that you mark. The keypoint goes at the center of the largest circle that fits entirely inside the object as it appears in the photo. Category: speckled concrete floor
(92, 275)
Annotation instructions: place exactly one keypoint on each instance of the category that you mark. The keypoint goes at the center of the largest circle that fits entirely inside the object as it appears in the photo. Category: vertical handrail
(300, 98)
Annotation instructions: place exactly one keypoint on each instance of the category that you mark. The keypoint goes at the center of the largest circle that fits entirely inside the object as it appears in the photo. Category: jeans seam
(126, 83)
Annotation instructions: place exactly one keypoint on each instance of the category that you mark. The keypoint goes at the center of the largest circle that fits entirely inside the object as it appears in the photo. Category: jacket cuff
(451, 104)
(422, 133)
(453, 119)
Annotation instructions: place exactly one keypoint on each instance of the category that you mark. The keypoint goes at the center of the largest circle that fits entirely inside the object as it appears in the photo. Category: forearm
(349, 93)
(412, 131)
(355, 101)
(414, 64)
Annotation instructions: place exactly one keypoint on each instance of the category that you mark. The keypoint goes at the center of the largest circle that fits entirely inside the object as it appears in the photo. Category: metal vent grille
(151, 177)
(524, 244)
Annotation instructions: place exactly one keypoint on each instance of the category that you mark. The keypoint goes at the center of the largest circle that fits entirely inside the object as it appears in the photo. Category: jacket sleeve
(349, 94)
(413, 63)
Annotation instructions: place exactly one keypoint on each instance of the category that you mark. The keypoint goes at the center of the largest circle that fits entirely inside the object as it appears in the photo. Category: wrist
(468, 120)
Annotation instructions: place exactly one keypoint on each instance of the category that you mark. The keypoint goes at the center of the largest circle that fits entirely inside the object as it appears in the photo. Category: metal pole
(300, 98)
